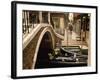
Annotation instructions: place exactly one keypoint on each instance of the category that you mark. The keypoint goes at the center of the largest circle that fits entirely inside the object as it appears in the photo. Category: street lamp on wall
(71, 17)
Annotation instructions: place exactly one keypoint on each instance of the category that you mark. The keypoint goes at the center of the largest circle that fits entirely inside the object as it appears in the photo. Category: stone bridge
(42, 39)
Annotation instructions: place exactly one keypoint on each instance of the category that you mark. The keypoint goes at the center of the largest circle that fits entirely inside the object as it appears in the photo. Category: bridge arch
(45, 42)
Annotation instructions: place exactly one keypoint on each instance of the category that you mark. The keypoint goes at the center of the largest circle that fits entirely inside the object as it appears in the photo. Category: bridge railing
(28, 37)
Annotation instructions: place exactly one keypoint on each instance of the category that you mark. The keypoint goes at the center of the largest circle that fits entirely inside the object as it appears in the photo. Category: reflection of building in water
(69, 29)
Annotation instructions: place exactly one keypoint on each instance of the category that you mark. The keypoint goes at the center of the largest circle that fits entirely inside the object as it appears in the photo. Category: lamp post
(70, 25)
